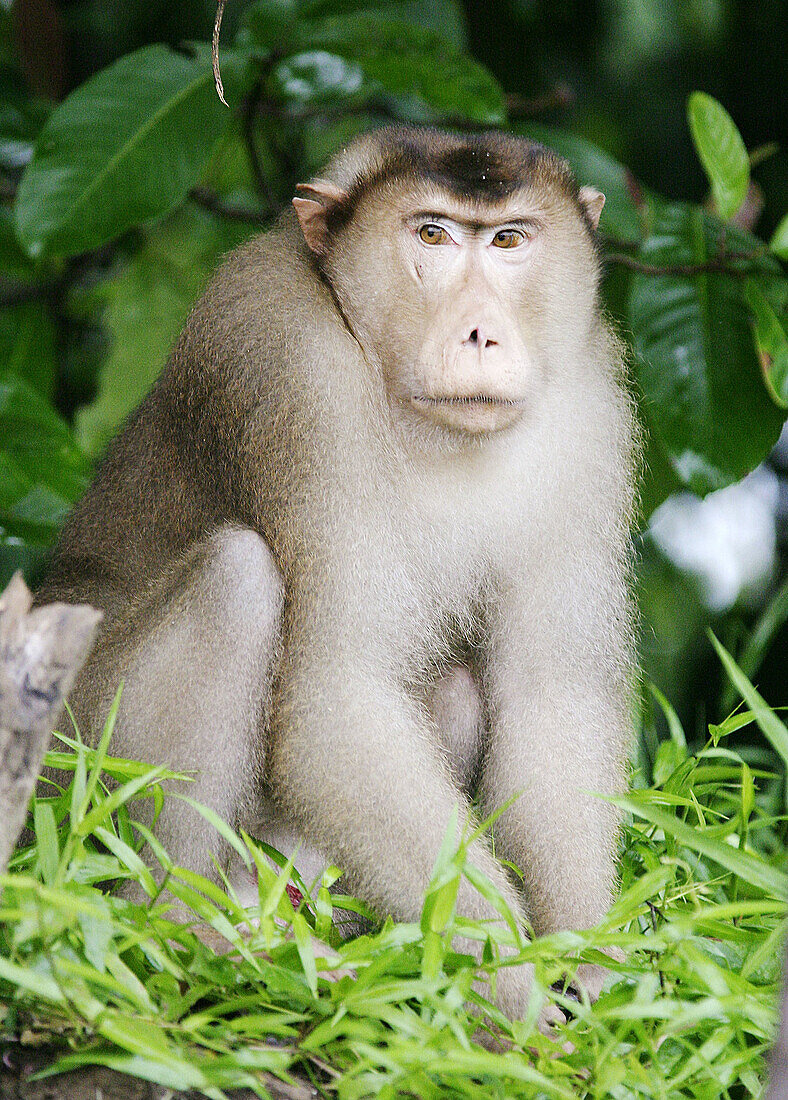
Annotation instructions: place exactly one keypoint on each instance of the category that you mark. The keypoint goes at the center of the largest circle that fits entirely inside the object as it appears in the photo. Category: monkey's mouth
(472, 400)
(475, 413)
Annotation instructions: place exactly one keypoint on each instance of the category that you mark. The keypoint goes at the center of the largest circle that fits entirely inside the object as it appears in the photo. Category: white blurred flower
(727, 541)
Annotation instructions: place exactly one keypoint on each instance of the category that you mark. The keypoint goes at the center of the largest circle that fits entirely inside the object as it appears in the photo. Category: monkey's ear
(592, 202)
(313, 211)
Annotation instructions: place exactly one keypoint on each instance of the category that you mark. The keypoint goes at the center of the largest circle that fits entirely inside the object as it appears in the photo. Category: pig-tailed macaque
(363, 551)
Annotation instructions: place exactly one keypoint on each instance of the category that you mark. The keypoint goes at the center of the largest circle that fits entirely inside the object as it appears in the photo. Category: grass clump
(689, 1013)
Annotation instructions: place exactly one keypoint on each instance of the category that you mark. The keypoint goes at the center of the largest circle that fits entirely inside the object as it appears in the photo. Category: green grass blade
(222, 828)
(33, 981)
(120, 795)
(772, 728)
(749, 867)
(129, 858)
(46, 840)
(97, 762)
(675, 728)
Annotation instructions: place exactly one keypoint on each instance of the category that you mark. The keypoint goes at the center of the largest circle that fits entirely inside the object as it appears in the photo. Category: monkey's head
(464, 265)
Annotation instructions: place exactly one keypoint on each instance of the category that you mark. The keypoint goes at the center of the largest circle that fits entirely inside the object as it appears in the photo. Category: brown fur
(314, 518)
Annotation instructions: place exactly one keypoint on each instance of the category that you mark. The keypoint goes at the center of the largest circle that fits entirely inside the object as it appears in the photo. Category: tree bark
(41, 651)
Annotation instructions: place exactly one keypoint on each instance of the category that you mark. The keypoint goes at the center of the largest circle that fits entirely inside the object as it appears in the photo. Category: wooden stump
(41, 652)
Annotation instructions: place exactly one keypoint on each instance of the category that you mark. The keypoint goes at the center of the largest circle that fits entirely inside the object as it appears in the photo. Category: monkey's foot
(548, 1020)
(590, 977)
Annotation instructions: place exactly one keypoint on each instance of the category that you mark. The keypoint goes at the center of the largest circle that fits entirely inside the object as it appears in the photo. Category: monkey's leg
(455, 708)
(196, 659)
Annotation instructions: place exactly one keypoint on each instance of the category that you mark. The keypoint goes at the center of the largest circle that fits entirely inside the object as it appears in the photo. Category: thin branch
(559, 98)
(250, 109)
(724, 264)
(13, 293)
(617, 244)
(635, 192)
(208, 199)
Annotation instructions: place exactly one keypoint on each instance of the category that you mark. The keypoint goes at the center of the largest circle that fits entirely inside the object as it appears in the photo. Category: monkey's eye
(508, 238)
(434, 234)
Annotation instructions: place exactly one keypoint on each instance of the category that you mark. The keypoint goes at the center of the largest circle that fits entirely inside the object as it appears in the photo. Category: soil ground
(100, 1083)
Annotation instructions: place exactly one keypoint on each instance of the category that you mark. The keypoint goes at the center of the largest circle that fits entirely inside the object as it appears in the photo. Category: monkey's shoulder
(265, 333)
(263, 279)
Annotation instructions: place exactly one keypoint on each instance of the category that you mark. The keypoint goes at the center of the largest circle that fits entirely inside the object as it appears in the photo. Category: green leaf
(668, 759)
(269, 24)
(129, 858)
(439, 905)
(123, 148)
(442, 16)
(97, 935)
(42, 471)
(306, 950)
(46, 840)
(14, 262)
(771, 341)
(146, 1038)
(491, 893)
(119, 795)
(163, 1069)
(759, 640)
(74, 806)
(221, 826)
(28, 345)
(722, 152)
(100, 756)
(747, 792)
(146, 306)
(214, 893)
(42, 985)
(409, 60)
(772, 728)
(695, 360)
(21, 118)
(779, 241)
(675, 727)
(592, 166)
(747, 866)
(272, 888)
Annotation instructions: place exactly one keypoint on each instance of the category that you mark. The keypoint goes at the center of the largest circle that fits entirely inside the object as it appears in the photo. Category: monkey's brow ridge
(475, 225)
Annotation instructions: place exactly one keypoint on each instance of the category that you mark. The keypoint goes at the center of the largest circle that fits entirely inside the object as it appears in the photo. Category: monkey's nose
(480, 339)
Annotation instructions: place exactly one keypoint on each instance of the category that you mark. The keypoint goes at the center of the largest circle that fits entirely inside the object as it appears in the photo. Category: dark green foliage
(120, 156)
(123, 148)
(696, 359)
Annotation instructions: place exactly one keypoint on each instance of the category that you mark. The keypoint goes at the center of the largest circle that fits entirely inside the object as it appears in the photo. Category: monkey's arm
(352, 760)
(558, 681)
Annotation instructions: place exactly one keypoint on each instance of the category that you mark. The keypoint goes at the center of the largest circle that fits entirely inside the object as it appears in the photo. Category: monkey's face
(460, 298)
(465, 267)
